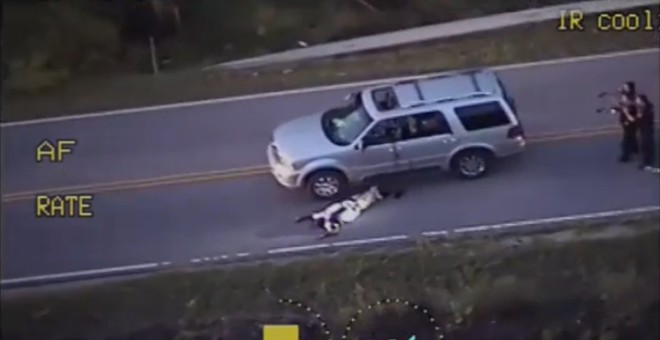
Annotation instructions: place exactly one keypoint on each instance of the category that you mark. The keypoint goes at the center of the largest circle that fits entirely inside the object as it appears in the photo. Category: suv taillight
(515, 132)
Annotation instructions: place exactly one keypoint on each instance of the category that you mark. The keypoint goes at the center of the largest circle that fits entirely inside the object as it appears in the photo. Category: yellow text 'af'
(281, 332)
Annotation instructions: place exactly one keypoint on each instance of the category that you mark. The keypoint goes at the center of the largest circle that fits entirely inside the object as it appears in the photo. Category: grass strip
(598, 281)
(524, 43)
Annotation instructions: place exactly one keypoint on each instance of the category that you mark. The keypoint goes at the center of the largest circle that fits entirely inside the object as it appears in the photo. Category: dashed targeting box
(281, 332)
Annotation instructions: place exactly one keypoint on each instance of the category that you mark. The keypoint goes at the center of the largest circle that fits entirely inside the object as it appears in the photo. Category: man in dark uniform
(646, 126)
(626, 109)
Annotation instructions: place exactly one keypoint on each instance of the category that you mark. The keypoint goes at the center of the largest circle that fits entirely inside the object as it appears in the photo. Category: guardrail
(432, 32)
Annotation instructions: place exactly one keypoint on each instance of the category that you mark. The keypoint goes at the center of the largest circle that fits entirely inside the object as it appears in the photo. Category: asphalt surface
(177, 223)
(553, 98)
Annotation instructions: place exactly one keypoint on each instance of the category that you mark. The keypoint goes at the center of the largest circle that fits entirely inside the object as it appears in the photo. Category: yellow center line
(236, 173)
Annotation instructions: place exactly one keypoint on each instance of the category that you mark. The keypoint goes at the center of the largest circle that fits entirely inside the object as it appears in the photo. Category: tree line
(46, 43)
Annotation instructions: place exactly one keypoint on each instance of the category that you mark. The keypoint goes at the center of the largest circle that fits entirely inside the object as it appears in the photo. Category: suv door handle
(449, 140)
(394, 148)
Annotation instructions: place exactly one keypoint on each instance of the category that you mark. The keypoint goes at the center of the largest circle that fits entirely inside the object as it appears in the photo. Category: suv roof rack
(422, 91)
(467, 72)
(434, 89)
(478, 94)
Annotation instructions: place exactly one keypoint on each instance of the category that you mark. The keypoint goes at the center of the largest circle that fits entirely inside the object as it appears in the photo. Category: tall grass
(542, 287)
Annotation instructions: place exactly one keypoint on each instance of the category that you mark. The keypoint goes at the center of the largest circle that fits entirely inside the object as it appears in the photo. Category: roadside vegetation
(590, 282)
(77, 57)
(194, 31)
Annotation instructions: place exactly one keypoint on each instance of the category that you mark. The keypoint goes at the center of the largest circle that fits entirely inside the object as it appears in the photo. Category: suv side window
(482, 116)
(384, 132)
(385, 99)
(425, 124)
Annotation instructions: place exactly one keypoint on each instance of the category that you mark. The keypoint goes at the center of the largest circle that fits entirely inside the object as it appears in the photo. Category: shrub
(46, 43)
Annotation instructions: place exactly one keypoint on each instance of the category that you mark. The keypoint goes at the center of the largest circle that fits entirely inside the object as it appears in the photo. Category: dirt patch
(518, 44)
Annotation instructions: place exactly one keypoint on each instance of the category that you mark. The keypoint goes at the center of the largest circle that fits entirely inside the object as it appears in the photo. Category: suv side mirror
(360, 145)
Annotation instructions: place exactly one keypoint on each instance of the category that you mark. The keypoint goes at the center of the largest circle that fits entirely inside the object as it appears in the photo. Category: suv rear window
(482, 116)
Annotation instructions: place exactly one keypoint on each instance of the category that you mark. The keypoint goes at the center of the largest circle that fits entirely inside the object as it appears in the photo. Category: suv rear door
(489, 122)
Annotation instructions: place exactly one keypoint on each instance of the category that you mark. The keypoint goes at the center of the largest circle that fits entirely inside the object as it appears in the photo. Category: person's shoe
(624, 159)
(651, 169)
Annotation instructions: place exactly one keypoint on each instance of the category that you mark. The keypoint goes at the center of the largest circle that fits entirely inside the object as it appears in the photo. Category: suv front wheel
(472, 164)
(327, 184)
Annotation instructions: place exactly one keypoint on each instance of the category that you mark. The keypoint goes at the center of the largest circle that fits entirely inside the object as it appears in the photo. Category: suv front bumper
(283, 175)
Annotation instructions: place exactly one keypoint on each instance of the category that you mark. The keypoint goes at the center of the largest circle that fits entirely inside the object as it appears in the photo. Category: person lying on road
(334, 216)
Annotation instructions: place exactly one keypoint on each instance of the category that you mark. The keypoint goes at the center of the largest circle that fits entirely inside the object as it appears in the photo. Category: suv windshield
(342, 125)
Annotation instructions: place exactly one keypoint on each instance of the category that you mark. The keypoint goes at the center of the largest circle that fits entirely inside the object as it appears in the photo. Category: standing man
(646, 125)
(626, 109)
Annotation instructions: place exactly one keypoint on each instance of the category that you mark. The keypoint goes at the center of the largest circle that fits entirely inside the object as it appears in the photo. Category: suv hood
(303, 138)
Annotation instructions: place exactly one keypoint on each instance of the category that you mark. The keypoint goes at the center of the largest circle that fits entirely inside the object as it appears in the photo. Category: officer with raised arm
(626, 109)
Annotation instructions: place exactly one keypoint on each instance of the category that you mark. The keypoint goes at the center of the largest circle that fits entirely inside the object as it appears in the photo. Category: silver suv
(460, 122)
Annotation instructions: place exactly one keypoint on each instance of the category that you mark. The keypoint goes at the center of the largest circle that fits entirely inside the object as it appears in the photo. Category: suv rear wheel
(472, 164)
(327, 184)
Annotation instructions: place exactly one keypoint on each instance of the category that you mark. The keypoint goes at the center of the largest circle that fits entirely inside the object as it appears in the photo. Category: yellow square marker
(281, 332)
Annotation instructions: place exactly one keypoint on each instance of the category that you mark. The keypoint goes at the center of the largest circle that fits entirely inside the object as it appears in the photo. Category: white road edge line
(286, 250)
(525, 223)
(82, 273)
(553, 220)
(319, 88)
(370, 241)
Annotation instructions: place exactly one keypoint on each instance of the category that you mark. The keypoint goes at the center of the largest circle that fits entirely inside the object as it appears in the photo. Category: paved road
(181, 222)
(551, 98)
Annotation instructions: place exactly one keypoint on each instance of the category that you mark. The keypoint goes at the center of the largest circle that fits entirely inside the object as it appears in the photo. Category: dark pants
(629, 144)
(647, 142)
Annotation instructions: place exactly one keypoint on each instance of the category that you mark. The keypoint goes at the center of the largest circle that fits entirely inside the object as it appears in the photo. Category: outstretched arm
(304, 218)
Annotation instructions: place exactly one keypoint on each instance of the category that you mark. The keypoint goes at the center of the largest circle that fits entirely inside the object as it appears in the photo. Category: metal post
(154, 58)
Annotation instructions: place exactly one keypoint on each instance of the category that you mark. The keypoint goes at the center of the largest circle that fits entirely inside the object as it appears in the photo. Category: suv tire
(327, 184)
(472, 164)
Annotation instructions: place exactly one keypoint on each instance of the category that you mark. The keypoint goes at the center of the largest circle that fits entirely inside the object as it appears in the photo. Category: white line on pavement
(362, 242)
(317, 89)
(83, 273)
(297, 249)
(435, 233)
(481, 228)
(554, 220)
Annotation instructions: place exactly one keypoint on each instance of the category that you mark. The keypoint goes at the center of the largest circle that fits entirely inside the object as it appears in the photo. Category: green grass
(606, 278)
(519, 44)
